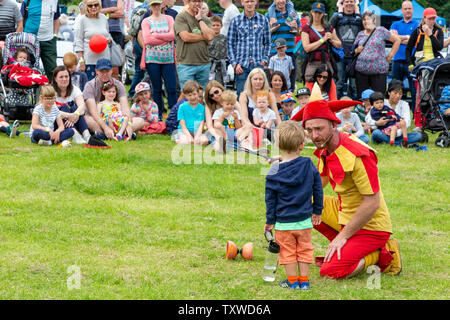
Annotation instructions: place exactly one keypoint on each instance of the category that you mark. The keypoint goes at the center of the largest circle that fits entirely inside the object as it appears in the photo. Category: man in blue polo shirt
(403, 30)
(41, 18)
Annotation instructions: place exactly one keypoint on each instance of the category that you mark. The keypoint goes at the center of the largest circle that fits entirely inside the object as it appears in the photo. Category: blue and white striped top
(284, 31)
(248, 39)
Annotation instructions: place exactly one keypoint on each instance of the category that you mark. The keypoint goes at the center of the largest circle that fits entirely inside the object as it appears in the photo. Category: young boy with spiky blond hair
(294, 203)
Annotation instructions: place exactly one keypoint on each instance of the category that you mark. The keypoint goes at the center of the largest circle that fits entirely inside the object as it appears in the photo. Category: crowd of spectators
(198, 49)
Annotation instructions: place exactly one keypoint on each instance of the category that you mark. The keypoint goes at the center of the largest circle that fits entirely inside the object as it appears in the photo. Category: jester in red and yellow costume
(357, 222)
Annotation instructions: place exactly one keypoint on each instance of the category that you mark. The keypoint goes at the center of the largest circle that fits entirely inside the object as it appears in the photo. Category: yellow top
(427, 49)
(353, 173)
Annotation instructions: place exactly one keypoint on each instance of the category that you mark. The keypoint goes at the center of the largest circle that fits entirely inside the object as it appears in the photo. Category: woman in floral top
(372, 65)
(159, 55)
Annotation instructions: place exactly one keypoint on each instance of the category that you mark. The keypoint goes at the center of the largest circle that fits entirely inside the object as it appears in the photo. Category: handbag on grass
(351, 68)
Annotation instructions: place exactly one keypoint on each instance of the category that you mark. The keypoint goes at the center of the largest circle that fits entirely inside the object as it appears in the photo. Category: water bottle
(271, 262)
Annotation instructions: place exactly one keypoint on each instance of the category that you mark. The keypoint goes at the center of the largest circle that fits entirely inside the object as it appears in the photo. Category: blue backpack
(299, 50)
(172, 119)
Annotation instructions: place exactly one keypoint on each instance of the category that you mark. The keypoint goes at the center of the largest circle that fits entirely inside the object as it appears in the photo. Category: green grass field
(137, 226)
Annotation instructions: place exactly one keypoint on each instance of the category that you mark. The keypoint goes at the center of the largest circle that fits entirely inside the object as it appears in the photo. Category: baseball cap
(429, 13)
(303, 91)
(280, 43)
(319, 7)
(142, 86)
(366, 94)
(287, 96)
(103, 64)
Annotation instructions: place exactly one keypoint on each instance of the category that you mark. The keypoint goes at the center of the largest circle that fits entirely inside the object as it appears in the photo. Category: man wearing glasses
(192, 34)
(41, 18)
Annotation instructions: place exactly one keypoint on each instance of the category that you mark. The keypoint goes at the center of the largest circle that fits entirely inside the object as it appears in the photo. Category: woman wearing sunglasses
(92, 23)
(322, 76)
(213, 102)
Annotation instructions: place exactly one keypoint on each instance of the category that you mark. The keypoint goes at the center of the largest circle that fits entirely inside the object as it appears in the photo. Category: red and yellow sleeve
(365, 175)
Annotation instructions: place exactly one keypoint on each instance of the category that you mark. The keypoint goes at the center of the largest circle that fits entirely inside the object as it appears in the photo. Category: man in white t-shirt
(230, 12)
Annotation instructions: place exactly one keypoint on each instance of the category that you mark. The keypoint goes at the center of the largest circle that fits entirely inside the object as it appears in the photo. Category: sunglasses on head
(216, 92)
(322, 77)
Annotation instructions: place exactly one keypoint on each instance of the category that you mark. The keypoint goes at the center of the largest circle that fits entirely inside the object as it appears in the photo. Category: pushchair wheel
(442, 141)
(424, 137)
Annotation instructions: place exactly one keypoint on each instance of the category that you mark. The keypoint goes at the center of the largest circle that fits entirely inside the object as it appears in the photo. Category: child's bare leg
(392, 135)
(123, 127)
(402, 125)
(303, 268)
(291, 269)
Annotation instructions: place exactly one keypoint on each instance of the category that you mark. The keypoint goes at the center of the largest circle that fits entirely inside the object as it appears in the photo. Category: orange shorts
(295, 246)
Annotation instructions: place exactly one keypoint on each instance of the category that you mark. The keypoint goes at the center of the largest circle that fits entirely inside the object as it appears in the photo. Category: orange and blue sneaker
(304, 286)
(286, 284)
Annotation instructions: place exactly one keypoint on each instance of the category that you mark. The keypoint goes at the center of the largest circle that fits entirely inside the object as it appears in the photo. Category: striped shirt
(151, 115)
(284, 65)
(46, 119)
(284, 31)
(9, 17)
(248, 40)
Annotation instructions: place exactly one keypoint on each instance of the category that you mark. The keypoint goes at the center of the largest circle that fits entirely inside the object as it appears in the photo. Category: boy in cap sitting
(287, 105)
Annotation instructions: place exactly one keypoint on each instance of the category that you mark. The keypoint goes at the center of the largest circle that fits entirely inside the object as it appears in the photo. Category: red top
(313, 37)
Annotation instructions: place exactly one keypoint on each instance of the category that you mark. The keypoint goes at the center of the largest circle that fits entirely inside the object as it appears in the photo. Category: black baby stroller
(433, 76)
(17, 101)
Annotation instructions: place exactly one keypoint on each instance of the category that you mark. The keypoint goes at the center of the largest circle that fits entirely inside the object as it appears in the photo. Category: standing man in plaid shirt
(248, 42)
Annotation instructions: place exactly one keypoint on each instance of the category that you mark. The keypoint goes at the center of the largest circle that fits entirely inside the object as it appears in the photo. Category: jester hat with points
(317, 108)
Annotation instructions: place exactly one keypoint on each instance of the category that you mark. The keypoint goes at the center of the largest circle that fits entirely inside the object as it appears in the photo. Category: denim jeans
(81, 124)
(241, 78)
(158, 71)
(379, 137)
(400, 71)
(199, 73)
(138, 73)
(39, 134)
(341, 84)
(364, 138)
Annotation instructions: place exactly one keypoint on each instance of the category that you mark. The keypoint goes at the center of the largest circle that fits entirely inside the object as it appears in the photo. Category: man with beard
(357, 223)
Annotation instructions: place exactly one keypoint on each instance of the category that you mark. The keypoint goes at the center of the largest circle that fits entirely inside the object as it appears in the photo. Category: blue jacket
(290, 187)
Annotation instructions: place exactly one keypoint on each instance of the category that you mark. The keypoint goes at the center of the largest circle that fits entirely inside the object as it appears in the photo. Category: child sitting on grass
(350, 122)
(227, 119)
(390, 120)
(294, 203)
(263, 116)
(11, 131)
(45, 114)
(79, 78)
(364, 109)
(303, 95)
(287, 105)
(109, 109)
(143, 107)
(191, 117)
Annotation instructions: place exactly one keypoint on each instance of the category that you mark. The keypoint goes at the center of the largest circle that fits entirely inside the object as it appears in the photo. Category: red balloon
(98, 43)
